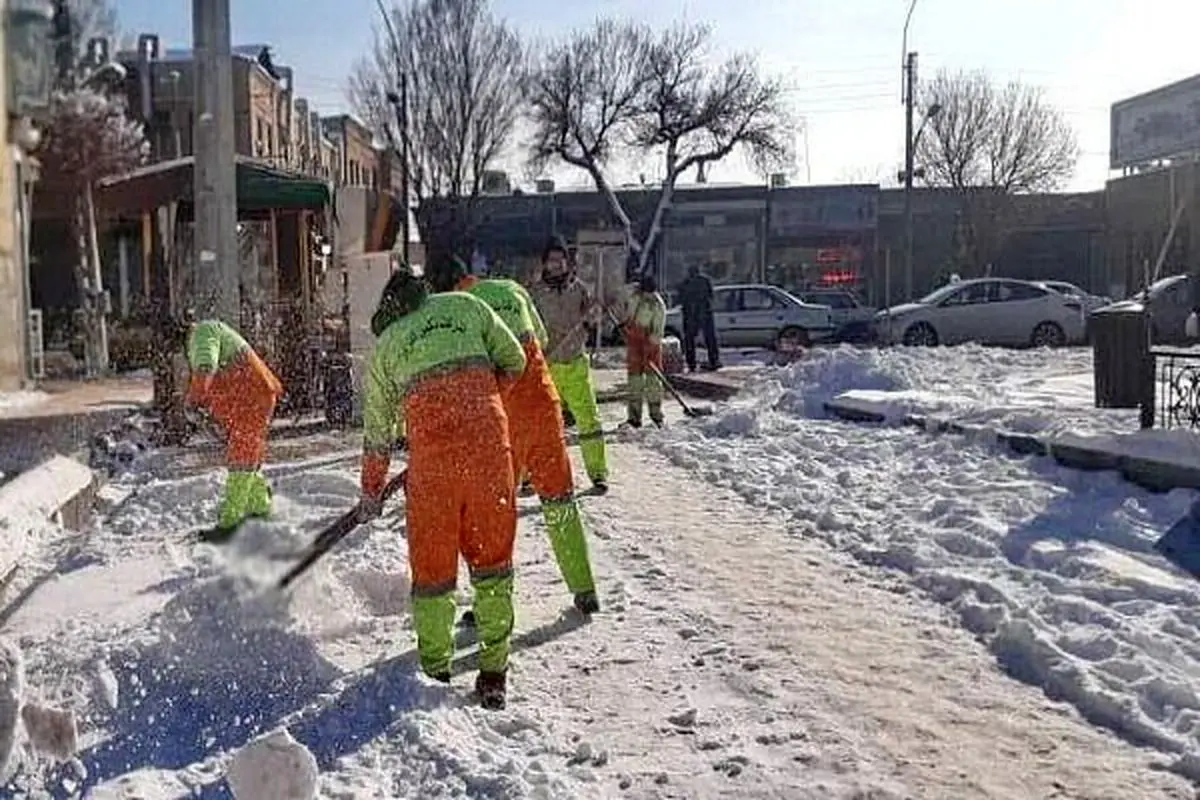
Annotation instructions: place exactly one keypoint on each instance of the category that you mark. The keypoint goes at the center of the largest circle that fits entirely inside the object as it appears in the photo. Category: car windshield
(791, 298)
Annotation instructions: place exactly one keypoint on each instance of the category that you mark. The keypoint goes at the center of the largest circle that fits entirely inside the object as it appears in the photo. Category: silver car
(1089, 301)
(758, 315)
(998, 311)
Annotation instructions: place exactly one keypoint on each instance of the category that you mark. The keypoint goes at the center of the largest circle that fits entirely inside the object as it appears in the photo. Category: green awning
(259, 188)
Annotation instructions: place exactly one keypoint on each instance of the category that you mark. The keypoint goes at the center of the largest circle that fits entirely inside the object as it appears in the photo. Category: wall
(12, 316)
(361, 159)
(262, 118)
(1139, 210)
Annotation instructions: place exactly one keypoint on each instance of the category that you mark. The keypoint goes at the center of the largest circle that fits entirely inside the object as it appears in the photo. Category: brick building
(359, 159)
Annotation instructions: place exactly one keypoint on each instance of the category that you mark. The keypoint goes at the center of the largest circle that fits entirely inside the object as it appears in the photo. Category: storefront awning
(259, 188)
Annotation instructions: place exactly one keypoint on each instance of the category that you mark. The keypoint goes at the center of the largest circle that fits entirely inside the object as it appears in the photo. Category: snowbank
(1052, 568)
(219, 666)
(1023, 391)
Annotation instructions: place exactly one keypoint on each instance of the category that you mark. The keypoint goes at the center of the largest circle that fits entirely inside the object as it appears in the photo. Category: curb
(1150, 474)
(60, 490)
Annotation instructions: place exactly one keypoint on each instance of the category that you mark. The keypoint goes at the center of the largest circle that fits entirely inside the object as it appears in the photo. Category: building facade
(359, 158)
(798, 237)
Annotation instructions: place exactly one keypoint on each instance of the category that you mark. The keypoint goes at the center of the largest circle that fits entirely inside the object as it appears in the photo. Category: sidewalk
(64, 415)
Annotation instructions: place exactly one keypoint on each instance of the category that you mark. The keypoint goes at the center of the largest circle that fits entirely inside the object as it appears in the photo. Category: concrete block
(1023, 444)
(1084, 458)
(59, 490)
(1159, 476)
(852, 413)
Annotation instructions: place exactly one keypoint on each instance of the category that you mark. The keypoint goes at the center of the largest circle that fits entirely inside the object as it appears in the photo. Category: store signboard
(823, 210)
(1158, 124)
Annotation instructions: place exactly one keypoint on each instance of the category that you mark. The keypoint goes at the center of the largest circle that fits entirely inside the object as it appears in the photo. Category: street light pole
(910, 82)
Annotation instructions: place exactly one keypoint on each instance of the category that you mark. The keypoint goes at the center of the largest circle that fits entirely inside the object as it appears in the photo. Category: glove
(369, 508)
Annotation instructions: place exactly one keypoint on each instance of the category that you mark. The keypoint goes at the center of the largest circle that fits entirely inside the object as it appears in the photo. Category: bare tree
(987, 143)
(620, 85)
(88, 19)
(88, 136)
(466, 78)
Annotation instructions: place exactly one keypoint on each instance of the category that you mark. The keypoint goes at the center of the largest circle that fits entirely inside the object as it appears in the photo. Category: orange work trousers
(242, 400)
(640, 353)
(536, 425)
(461, 493)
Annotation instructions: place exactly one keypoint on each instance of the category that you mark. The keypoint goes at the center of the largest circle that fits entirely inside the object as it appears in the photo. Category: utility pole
(910, 85)
(400, 106)
(402, 113)
(216, 267)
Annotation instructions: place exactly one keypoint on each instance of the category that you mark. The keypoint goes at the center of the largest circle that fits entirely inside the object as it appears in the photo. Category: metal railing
(1177, 373)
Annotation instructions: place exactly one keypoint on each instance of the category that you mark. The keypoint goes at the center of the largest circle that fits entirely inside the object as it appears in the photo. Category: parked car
(1169, 301)
(1089, 301)
(852, 321)
(1000, 311)
(757, 315)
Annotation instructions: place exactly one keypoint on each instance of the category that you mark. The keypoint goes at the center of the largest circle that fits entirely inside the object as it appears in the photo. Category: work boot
(656, 415)
(259, 501)
(235, 504)
(587, 603)
(492, 690)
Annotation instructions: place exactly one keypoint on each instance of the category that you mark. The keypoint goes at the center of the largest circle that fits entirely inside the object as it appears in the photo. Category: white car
(999, 311)
(1089, 301)
(758, 315)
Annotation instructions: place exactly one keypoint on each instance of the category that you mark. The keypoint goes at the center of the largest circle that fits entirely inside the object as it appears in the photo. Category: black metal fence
(1177, 392)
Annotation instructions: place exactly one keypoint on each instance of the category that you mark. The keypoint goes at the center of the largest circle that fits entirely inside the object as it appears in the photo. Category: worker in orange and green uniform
(565, 304)
(534, 423)
(239, 391)
(643, 328)
(440, 367)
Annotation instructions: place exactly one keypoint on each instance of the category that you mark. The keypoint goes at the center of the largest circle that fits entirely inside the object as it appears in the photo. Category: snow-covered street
(793, 607)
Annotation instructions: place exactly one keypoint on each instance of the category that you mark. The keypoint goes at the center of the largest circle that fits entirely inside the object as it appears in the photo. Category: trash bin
(338, 380)
(1121, 365)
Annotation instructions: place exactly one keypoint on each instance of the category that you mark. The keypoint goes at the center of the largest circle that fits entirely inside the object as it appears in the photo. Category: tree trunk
(98, 324)
(83, 281)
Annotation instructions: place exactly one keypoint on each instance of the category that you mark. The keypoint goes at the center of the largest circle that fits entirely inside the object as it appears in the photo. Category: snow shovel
(340, 529)
(688, 410)
(1181, 543)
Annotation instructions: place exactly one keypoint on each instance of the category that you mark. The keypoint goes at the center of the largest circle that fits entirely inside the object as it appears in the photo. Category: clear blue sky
(841, 57)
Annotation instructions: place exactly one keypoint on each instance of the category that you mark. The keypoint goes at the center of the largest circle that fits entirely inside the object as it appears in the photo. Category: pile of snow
(274, 767)
(1025, 391)
(218, 667)
(1053, 568)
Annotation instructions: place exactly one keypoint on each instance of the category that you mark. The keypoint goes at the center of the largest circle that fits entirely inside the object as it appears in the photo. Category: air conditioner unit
(545, 186)
(778, 180)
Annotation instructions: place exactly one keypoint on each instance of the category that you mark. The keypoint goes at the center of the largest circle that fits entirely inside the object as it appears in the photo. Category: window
(968, 295)
(831, 299)
(724, 300)
(1011, 292)
(758, 300)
